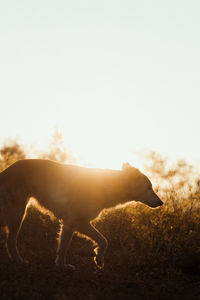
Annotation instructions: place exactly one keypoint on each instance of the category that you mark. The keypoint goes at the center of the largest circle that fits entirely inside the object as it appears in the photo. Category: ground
(118, 280)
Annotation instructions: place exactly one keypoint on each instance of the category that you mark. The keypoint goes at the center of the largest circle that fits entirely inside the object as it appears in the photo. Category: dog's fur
(76, 195)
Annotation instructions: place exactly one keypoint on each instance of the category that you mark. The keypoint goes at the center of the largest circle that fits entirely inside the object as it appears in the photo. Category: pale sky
(114, 76)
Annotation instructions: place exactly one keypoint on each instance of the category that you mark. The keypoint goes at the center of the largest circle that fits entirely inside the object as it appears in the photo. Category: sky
(115, 77)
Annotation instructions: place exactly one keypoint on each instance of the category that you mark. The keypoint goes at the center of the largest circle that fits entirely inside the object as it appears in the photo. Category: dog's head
(138, 187)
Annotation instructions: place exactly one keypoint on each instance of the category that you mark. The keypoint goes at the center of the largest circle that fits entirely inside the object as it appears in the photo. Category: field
(152, 253)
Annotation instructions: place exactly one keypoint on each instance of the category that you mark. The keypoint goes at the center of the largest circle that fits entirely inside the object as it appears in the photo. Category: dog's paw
(69, 267)
(99, 261)
(99, 258)
(25, 262)
(62, 265)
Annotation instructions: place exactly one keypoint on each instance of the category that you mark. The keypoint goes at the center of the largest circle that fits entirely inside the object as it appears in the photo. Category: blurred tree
(10, 154)
(57, 150)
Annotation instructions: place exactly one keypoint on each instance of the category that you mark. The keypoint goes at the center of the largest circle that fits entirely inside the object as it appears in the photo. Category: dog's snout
(155, 201)
(160, 202)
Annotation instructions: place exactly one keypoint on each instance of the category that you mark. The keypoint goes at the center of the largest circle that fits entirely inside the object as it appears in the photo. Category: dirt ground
(41, 280)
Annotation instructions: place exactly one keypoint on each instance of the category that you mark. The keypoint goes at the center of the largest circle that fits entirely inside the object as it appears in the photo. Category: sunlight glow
(101, 134)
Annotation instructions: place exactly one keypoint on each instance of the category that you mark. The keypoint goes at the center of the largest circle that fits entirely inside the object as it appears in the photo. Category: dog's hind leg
(64, 241)
(101, 241)
(14, 225)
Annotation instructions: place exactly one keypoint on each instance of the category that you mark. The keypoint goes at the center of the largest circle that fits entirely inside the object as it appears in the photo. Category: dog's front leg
(101, 241)
(64, 241)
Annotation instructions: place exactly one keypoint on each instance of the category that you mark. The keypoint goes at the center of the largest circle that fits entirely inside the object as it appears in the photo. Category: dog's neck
(114, 191)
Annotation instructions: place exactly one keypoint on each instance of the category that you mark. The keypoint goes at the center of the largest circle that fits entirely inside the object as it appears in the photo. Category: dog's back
(56, 187)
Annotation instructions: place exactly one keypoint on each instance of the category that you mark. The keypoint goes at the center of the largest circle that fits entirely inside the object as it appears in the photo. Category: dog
(74, 194)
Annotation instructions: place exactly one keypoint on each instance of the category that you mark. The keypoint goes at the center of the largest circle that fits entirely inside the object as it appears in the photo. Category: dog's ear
(128, 169)
(126, 166)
